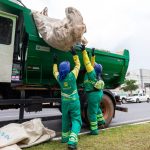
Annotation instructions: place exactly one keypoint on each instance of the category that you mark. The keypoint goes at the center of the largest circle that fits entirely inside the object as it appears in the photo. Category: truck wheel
(107, 107)
(148, 100)
(137, 100)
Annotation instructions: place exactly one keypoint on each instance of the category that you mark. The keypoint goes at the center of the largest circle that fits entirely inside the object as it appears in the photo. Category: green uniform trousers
(71, 121)
(94, 112)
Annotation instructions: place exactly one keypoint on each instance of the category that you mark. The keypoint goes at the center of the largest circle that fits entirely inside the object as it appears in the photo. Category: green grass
(129, 137)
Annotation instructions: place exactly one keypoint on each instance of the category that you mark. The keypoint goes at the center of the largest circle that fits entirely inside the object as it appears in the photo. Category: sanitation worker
(93, 87)
(71, 115)
(98, 69)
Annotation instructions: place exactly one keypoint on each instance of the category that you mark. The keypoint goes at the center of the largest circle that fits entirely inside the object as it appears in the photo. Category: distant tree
(129, 85)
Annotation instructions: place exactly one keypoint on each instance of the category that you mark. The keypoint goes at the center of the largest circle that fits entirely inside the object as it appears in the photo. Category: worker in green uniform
(98, 69)
(93, 87)
(71, 115)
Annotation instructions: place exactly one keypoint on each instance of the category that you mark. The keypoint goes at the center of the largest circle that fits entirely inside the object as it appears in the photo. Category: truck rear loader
(26, 75)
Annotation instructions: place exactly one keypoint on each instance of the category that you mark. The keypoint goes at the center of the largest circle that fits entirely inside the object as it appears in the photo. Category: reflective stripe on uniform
(93, 123)
(65, 134)
(99, 115)
(68, 95)
(101, 119)
(94, 128)
(73, 137)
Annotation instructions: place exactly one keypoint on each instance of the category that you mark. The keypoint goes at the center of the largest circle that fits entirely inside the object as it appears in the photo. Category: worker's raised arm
(76, 69)
(55, 68)
(86, 60)
(93, 57)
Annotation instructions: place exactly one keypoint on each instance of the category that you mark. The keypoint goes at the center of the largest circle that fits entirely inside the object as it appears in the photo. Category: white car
(123, 98)
(138, 98)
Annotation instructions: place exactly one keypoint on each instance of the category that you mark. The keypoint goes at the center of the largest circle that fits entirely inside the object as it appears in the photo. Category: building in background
(142, 76)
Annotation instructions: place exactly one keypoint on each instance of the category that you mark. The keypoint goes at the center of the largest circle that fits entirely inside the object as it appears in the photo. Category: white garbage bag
(11, 147)
(61, 34)
(26, 134)
(12, 134)
(36, 132)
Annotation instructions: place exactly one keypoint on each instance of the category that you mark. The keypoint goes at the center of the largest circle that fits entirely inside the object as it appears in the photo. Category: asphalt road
(137, 112)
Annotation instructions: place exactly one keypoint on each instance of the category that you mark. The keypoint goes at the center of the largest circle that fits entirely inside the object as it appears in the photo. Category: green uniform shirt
(89, 81)
(68, 87)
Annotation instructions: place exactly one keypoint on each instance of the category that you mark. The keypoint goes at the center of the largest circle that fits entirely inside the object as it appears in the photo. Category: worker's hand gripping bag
(61, 34)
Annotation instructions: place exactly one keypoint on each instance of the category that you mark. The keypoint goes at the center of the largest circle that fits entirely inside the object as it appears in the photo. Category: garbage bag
(26, 134)
(61, 34)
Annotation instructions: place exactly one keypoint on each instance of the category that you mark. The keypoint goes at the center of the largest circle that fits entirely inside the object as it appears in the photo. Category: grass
(130, 137)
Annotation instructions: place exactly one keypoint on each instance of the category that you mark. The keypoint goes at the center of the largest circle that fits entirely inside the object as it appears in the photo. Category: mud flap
(120, 108)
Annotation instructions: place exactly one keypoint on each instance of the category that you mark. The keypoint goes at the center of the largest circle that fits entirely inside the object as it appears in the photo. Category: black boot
(101, 124)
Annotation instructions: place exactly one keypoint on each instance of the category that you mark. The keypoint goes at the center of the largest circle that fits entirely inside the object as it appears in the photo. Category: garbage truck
(26, 61)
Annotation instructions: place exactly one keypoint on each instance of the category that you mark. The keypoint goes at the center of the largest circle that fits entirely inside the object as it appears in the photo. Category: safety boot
(102, 122)
(64, 140)
(94, 132)
(72, 147)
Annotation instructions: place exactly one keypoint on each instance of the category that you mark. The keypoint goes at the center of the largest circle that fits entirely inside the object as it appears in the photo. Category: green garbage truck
(26, 77)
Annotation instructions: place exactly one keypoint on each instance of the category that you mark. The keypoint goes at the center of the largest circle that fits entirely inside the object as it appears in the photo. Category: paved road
(136, 112)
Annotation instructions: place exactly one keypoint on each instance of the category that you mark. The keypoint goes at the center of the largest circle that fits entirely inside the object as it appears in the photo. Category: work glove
(73, 51)
(93, 51)
(55, 58)
(82, 47)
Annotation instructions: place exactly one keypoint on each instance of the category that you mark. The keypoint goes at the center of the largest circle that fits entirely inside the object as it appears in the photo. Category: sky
(111, 24)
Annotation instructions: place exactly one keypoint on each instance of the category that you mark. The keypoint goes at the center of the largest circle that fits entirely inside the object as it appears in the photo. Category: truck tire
(108, 110)
(137, 100)
(148, 100)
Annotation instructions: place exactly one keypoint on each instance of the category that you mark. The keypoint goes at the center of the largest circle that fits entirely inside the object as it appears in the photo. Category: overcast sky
(111, 24)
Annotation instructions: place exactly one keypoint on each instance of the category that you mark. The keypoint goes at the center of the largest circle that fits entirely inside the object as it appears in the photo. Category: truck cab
(7, 39)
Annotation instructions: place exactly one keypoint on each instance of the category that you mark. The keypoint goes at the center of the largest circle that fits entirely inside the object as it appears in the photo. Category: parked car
(138, 98)
(123, 98)
(117, 97)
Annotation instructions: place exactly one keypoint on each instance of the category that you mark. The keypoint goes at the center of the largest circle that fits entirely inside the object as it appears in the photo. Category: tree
(129, 85)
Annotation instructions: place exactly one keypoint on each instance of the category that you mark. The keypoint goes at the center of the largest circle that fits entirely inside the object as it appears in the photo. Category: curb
(116, 126)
